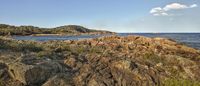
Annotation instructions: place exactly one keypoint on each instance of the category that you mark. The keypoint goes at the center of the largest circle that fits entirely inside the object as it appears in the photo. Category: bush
(30, 47)
(153, 58)
(14, 45)
(44, 54)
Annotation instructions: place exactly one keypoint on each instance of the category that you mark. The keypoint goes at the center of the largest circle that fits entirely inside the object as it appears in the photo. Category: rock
(4, 75)
(6, 79)
(82, 75)
(93, 83)
(70, 62)
(62, 79)
(18, 71)
(105, 61)
(34, 74)
(159, 64)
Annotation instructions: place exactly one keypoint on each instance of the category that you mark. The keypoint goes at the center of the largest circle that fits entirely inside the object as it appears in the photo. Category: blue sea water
(190, 39)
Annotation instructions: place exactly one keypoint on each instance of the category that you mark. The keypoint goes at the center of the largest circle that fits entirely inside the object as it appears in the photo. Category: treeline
(31, 30)
(21, 30)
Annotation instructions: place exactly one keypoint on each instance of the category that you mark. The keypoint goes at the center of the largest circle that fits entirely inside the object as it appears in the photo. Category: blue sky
(113, 15)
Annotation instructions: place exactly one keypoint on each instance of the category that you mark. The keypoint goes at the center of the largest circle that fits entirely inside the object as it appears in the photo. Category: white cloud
(155, 10)
(193, 6)
(159, 11)
(164, 14)
(175, 6)
(161, 14)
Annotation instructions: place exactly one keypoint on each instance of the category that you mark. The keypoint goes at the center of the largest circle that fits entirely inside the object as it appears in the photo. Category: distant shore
(9, 30)
(70, 34)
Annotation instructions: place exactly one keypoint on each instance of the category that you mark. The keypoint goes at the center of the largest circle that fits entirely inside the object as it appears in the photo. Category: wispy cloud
(159, 11)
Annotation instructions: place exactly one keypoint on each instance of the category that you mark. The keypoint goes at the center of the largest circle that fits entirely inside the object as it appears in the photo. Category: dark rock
(4, 75)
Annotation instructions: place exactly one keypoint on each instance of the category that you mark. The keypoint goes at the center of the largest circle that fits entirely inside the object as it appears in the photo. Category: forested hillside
(31, 30)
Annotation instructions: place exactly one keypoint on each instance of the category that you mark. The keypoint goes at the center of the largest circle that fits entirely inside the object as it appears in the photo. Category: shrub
(44, 54)
(153, 58)
(20, 45)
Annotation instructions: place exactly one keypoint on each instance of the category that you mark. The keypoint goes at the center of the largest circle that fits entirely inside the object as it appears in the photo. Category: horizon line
(100, 29)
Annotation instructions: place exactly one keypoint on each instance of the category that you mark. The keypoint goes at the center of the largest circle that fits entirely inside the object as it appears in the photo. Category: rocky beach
(99, 43)
(105, 61)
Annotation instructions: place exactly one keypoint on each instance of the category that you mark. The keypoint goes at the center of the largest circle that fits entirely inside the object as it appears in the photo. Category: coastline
(193, 41)
(101, 57)
(112, 33)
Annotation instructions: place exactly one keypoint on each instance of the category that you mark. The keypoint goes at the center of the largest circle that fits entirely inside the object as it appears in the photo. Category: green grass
(180, 82)
(44, 54)
(96, 49)
(153, 58)
(20, 46)
(1, 83)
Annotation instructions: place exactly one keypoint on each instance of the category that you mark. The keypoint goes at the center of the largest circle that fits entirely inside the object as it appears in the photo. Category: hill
(63, 30)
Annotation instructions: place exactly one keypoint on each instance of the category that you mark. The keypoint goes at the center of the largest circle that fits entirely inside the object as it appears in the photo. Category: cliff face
(107, 61)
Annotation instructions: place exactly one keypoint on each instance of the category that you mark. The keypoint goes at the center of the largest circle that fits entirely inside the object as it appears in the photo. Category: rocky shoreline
(105, 61)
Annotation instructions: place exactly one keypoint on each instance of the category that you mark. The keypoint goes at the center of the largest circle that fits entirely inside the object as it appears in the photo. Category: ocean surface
(190, 39)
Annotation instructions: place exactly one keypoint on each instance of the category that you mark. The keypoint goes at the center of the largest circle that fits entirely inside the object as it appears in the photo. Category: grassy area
(20, 46)
(180, 82)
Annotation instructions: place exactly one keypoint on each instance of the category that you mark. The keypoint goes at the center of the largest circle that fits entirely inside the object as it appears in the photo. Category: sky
(112, 15)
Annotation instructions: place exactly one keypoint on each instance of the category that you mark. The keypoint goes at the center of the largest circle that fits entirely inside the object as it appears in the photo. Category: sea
(189, 39)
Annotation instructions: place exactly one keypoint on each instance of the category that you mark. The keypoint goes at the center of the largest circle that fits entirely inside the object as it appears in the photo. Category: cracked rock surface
(106, 61)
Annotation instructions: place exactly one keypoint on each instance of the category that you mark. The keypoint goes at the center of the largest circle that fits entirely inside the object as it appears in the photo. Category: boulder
(5, 78)
(34, 74)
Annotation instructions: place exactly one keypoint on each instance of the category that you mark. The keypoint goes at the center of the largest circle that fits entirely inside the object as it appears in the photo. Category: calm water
(190, 39)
